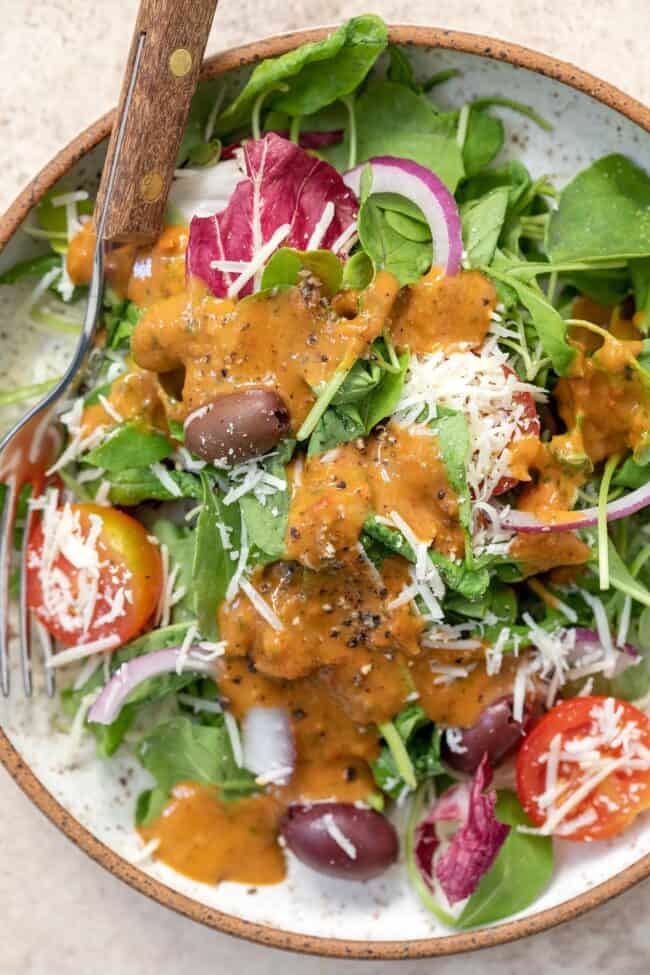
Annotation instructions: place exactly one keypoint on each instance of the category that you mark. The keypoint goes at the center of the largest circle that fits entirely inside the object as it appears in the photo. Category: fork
(159, 82)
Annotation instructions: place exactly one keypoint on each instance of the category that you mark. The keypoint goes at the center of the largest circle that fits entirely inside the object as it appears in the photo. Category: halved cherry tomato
(101, 550)
(615, 801)
(529, 426)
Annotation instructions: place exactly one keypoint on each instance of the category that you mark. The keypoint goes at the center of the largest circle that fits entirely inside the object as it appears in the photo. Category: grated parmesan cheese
(334, 831)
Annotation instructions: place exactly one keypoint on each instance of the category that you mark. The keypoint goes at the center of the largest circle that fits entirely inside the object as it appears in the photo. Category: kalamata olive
(496, 732)
(340, 839)
(237, 426)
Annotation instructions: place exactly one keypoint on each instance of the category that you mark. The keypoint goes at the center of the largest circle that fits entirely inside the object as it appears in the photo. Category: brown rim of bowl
(429, 37)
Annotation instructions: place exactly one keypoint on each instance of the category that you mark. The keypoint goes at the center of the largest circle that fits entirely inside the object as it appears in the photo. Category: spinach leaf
(400, 69)
(392, 120)
(388, 250)
(421, 741)
(357, 272)
(383, 399)
(212, 567)
(607, 287)
(408, 227)
(120, 323)
(129, 446)
(603, 214)
(316, 74)
(452, 433)
(286, 264)
(513, 176)
(482, 222)
(181, 750)
(266, 524)
(521, 871)
(483, 141)
(137, 484)
(338, 424)
(33, 267)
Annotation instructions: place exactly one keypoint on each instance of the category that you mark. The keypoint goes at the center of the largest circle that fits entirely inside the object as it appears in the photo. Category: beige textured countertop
(60, 65)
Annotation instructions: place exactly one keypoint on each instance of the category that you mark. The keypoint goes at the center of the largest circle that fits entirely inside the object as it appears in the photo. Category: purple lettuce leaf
(281, 186)
(475, 844)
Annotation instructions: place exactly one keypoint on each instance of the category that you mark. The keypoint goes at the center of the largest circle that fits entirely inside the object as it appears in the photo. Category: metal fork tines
(28, 450)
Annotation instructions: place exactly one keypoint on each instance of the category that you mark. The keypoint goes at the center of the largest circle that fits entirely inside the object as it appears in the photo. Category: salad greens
(291, 225)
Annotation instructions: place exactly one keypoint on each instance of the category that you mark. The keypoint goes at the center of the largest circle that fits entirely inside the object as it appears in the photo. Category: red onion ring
(523, 521)
(109, 703)
(426, 190)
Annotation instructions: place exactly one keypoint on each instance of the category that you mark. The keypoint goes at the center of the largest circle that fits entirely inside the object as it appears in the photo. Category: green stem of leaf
(603, 548)
(348, 101)
(514, 106)
(294, 131)
(604, 334)
(256, 115)
(21, 393)
(324, 399)
(55, 323)
(398, 750)
(439, 78)
(463, 124)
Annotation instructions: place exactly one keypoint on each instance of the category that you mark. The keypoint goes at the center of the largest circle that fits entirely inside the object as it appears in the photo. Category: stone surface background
(60, 67)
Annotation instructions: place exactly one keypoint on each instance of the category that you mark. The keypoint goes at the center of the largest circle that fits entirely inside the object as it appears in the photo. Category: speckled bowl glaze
(93, 802)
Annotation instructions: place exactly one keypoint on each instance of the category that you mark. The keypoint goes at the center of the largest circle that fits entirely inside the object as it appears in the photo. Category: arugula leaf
(181, 750)
(129, 446)
(201, 105)
(316, 74)
(421, 742)
(285, 265)
(603, 214)
(640, 274)
(513, 176)
(180, 545)
(266, 524)
(482, 222)
(400, 69)
(392, 120)
(388, 250)
(33, 267)
(621, 578)
(109, 737)
(212, 567)
(521, 871)
(549, 324)
(121, 322)
(483, 141)
(138, 484)
(631, 474)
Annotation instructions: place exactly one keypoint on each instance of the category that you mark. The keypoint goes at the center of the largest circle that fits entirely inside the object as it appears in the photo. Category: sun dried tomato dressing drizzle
(343, 660)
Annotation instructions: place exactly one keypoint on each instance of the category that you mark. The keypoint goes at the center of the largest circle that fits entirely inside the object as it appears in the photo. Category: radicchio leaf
(475, 844)
(282, 185)
(306, 140)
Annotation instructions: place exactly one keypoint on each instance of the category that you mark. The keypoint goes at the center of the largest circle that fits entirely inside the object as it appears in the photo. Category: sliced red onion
(523, 521)
(269, 749)
(130, 675)
(426, 190)
(586, 638)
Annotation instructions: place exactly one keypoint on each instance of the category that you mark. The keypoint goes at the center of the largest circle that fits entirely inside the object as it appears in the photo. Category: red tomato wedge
(584, 770)
(92, 573)
(529, 426)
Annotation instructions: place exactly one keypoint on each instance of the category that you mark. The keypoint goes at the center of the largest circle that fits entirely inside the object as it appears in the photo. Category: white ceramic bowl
(93, 802)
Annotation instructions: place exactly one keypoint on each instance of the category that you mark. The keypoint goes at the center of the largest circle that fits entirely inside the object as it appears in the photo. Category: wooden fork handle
(169, 57)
